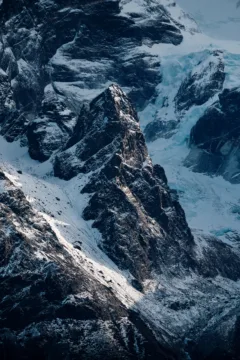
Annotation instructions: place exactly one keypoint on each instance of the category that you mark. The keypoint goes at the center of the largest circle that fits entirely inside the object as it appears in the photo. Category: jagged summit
(141, 228)
(127, 191)
(142, 224)
(99, 132)
(123, 105)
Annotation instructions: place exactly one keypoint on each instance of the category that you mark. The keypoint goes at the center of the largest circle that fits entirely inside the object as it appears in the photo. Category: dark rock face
(160, 129)
(202, 83)
(142, 224)
(219, 341)
(127, 191)
(215, 137)
(76, 48)
(52, 129)
(51, 305)
(13, 123)
(55, 57)
(47, 298)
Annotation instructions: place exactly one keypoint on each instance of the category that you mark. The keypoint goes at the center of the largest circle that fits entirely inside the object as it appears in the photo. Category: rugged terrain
(98, 257)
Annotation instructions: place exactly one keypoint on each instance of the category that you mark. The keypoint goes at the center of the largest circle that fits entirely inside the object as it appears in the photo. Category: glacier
(209, 202)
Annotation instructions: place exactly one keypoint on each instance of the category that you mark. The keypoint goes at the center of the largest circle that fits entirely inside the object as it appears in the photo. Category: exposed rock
(215, 138)
(52, 129)
(78, 49)
(160, 129)
(179, 290)
(128, 192)
(50, 306)
(219, 340)
(142, 224)
(202, 83)
(13, 123)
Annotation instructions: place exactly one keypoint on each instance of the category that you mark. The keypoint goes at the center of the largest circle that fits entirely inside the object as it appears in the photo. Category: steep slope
(199, 86)
(103, 249)
(127, 192)
(55, 55)
(50, 305)
(168, 131)
(163, 279)
(205, 80)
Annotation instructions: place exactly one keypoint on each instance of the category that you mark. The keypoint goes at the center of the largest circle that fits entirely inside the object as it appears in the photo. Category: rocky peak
(126, 192)
(77, 48)
(142, 225)
(139, 282)
(107, 125)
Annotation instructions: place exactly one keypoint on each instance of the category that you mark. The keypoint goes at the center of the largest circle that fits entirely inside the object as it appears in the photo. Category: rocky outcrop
(202, 83)
(50, 306)
(56, 58)
(140, 219)
(142, 224)
(53, 127)
(143, 227)
(74, 50)
(227, 333)
(215, 138)
(160, 129)
(13, 123)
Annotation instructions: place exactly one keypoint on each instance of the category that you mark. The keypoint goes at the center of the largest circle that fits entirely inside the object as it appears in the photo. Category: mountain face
(73, 50)
(50, 306)
(202, 83)
(127, 191)
(53, 303)
(97, 257)
(197, 88)
(215, 138)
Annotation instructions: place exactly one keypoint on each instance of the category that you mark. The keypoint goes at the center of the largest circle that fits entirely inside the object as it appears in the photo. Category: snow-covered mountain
(111, 247)
(217, 18)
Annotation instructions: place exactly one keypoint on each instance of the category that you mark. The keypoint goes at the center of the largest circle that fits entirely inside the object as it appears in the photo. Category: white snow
(61, 204)
(144, 11)
(209, 202)
(217, 18)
